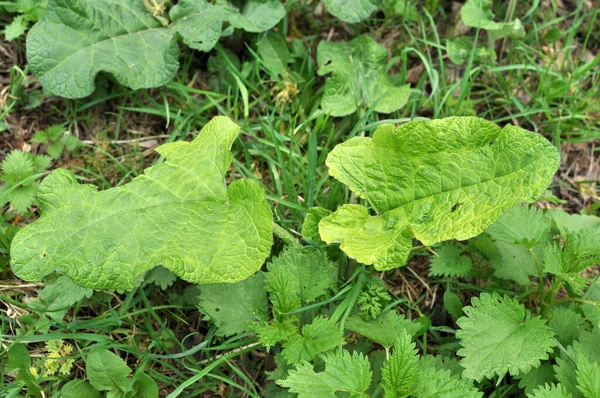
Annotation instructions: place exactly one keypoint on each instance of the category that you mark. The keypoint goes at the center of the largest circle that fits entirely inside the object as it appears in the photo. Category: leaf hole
(217, 309)
(44, 254)
(492, 142)
(455, 207)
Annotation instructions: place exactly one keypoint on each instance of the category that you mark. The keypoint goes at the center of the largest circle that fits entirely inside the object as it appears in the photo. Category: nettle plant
(439, 182)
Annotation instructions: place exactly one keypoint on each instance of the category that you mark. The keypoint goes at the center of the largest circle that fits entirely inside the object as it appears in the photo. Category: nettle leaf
(320, 336)
(360, 79)
(435, 382)
(588, 377)
(574, 364)
(567, 324)
(399, 371)
(311, 271)
(77, 39)
(536, 377)
(521, 225)
(449, 262)
(344, 372)
(550, 391)
(568, 223)
(232, 306)
(434, 181)
(351, 11)
(478, 14)
(497, 337)
(384, 330)
(200, 23)
(178, 214)
(514, 262)
(160, 276)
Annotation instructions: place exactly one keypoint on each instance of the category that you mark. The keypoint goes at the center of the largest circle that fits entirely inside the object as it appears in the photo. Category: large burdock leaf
(200, 22)
(179, 214)
(77, 39)
(478, 14)
(434, 181)
(351, 11)
(359, 78)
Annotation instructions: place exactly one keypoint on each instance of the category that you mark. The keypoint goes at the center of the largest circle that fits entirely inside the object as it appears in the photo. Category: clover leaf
(179, 214)
(434, 181)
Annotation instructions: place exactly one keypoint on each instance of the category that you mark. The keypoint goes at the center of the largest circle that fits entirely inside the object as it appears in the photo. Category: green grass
(548, 82)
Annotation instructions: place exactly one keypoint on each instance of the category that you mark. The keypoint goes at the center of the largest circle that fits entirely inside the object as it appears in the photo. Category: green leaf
(351, 11)
(23, 197)
(55, 299)
(200, 22)
(16, 167)
(320, 336)
(274, 54)
(449, 262)
(567, 365)
(77, 39)
(310, 226)
(452, 304)
(497, 337)
(18, 358)
(311, 271)
(231, 306)
(383, 330)
(588, 377)
(107, 371)
(591, 311)
(569, 223)
(273, 333)
(536, 377)
(344, 372)
(15, 29)
(459, 50)
(146, 386)
(79, 389)
(160, 276)
(198, 228)
(432, 382)
(399, 371)
(406, 8)
(514, 262)
(522, 225)
(478, 14)
(550, 391)
(439, 180)
(360, 79)
(566, 324)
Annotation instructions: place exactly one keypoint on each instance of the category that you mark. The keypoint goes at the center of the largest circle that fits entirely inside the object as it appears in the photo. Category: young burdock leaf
(202, 230)
(434, 181)
(344, 372)
(497, 337)
(399, 371)
(311, 271)
(274, 54)
(351, 11)
(521, 225)
(449, 262)
(320, 336)
(55, 299)
(77, 39)
(232, 306)
(433, 382)
(18, 358)
(107, 371)
(359, 79)
(478, 14)
(200, 22)
(310, 226)
(146, 386)
(550, 391)
(384, 330)
(459, 50)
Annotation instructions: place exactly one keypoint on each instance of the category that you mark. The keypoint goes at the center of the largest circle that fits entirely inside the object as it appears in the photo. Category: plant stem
(284, 235)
